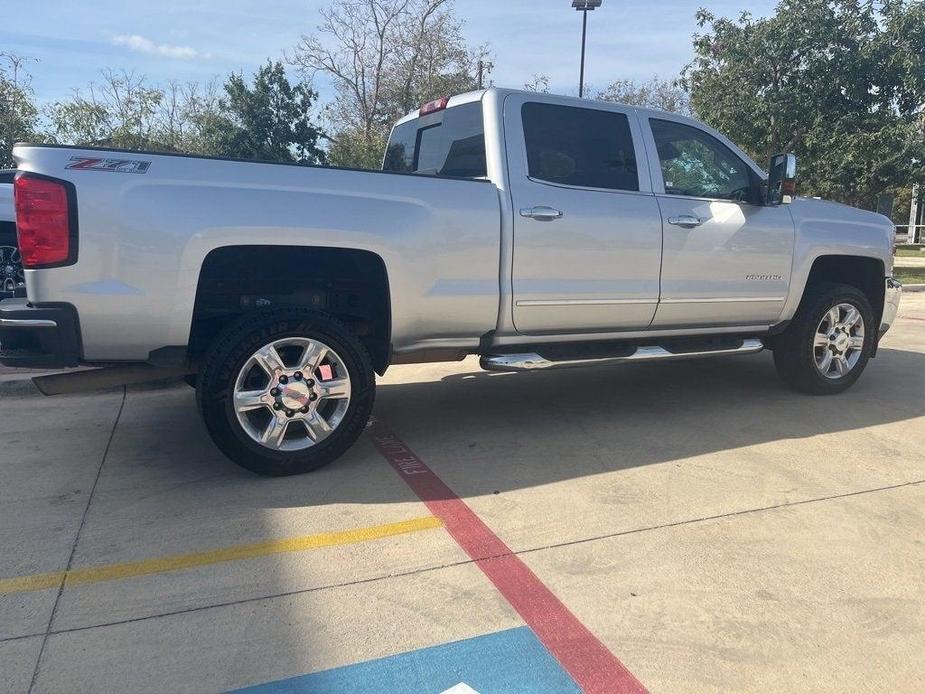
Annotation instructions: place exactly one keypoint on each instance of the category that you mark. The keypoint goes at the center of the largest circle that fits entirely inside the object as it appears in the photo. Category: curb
(913, 288)
(22, 386)
(18, 382)
(18, 387)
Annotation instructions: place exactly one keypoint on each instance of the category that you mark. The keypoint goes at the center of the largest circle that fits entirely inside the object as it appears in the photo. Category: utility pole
(483, 73)
(584, 36)
(584, 6)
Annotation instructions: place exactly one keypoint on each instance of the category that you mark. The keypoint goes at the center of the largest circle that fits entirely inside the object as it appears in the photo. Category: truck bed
(147, 222)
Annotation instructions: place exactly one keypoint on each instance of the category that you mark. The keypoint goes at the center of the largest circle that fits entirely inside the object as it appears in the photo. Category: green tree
(123, 111)
(386, 58)
(538, 83)
(657, 93)
(120, 111)
(18, 114)
(839, 82)
(270, 120)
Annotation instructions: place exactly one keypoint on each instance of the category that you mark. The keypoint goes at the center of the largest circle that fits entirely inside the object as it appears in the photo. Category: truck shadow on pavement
(487, 433)
(587, 421)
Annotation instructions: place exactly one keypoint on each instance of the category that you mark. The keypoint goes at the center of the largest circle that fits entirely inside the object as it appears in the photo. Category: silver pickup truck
(536, 231)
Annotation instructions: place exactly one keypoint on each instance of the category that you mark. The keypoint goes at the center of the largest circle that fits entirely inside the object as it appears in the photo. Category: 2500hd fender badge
(133, 166)
(764, 278)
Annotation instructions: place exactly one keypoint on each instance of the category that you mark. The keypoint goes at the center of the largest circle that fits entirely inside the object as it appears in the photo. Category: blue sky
(196, 40)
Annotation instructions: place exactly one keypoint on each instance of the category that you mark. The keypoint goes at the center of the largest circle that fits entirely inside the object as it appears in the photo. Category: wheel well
(349, 284)
(867, 274)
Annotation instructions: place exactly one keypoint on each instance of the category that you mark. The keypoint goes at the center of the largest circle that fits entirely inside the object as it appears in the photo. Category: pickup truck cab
(533, 230)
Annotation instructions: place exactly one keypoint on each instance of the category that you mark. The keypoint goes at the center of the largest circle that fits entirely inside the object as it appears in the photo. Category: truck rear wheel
(285, 391)
(827, 346)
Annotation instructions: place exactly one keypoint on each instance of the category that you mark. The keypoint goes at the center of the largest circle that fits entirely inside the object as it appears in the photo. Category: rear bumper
(894, 291)
(38, 337)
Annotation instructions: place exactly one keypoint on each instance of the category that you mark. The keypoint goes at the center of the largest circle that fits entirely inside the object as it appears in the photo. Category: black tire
(794, 351)
(228, 355)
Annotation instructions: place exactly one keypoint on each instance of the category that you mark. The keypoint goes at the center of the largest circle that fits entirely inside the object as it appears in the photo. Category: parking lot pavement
(47, 476)
(694, 522)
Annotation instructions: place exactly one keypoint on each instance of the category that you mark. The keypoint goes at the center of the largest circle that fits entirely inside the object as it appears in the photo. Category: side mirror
(782, 179)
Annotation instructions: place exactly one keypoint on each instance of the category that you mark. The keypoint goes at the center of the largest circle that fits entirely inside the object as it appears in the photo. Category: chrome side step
(535, 362)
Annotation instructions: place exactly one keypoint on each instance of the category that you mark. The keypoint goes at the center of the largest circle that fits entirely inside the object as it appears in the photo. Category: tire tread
(793, 353)
(236, 343)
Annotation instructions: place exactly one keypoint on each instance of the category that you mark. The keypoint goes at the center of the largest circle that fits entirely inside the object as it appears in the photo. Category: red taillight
(434, 106)
(42, 221)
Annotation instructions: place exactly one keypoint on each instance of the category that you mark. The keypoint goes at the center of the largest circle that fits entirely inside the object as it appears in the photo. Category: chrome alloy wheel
(839, 341)
(11, 271)
(292, 394)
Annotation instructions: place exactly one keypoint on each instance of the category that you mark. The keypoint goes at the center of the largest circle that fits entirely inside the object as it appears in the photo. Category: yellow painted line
(177, 562)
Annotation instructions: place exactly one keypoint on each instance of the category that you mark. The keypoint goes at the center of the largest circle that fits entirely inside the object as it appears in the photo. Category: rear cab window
(446, 143)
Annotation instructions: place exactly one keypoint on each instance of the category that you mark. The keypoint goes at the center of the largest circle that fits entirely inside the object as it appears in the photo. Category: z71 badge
(132, 166)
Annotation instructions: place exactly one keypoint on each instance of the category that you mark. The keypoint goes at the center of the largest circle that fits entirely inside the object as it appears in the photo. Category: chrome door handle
(541, 214)
(685, 221)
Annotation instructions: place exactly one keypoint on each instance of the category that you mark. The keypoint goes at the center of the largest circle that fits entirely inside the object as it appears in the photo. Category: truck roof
(457, 100)
(643, 111)
(468, 97)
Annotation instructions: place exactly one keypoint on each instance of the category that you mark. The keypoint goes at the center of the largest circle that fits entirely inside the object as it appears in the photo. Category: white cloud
(143, 45)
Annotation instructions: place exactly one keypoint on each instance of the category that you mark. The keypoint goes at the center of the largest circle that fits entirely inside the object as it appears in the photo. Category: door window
(582, 147)
(696, 164)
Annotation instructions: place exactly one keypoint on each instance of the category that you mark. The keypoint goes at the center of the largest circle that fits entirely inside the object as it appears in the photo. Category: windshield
(447, 143)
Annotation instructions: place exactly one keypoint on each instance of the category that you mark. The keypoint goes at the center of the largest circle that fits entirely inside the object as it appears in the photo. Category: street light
(584, 6)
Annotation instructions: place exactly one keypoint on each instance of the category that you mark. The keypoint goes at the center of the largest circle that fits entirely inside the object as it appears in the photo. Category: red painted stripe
(584, 657)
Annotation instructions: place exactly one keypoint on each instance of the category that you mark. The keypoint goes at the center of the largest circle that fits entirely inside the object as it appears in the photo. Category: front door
(727, 257)
(587, 230)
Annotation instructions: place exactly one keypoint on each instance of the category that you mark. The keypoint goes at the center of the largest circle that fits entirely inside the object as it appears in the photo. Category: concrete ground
(714, 531)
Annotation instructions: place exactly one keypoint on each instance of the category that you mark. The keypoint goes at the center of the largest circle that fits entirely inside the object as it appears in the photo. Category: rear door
(587, 230)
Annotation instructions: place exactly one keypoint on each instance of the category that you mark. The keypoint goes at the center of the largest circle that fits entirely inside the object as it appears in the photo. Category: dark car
(11, 274)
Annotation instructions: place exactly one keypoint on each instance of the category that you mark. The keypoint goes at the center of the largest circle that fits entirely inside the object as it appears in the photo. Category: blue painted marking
(507, 662)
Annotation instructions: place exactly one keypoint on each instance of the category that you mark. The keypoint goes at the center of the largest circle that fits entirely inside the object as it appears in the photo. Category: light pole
(584, 6)
(912, 231)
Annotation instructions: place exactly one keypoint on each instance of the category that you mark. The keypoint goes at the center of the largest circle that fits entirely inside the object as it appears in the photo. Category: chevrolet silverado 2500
(536, 231)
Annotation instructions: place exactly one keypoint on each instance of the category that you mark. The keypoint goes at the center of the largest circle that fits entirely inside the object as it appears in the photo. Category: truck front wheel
(285, 391)
(828, 344)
